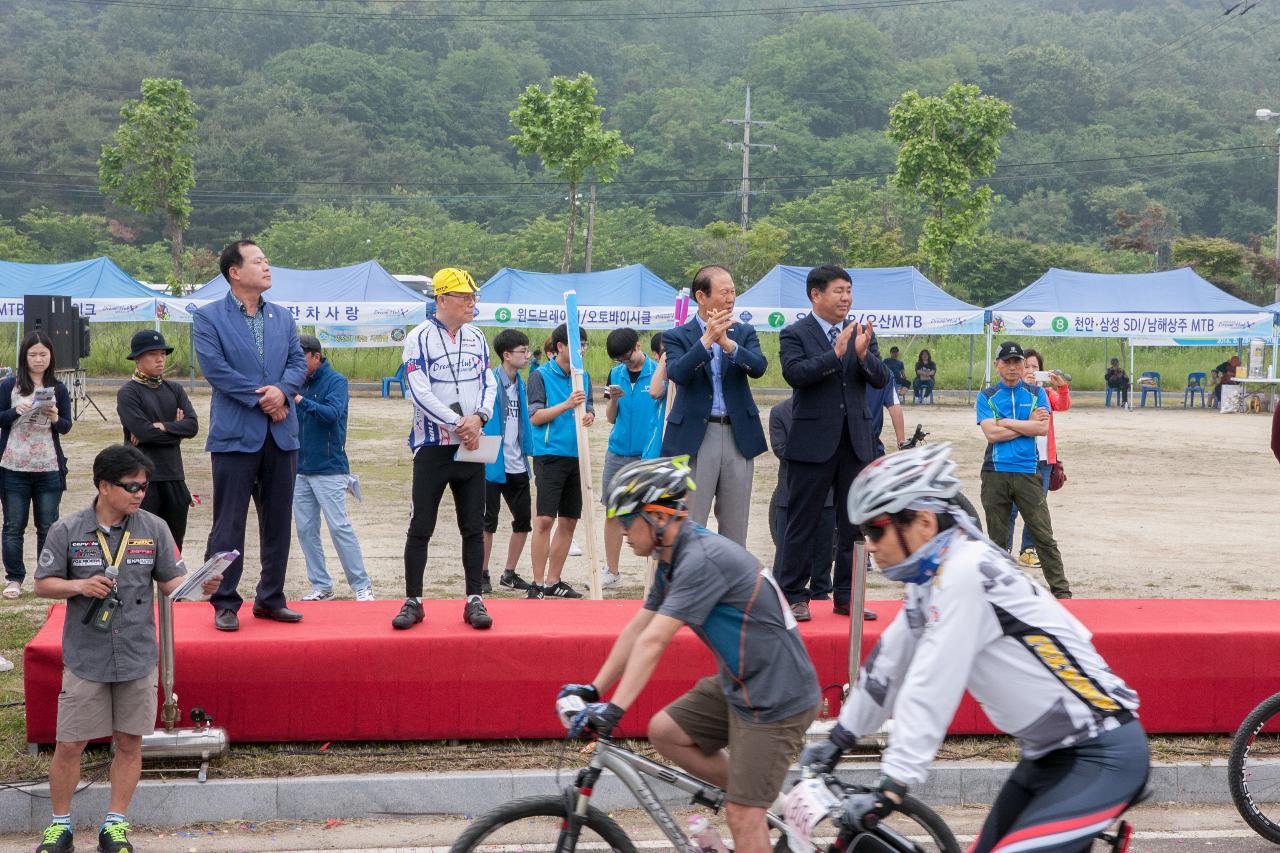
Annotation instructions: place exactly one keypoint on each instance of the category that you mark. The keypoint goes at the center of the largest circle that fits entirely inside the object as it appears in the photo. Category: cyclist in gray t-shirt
(739, 730)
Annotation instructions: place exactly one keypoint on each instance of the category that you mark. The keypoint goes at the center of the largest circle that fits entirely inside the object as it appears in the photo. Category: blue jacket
(322, 423)
(689, 367)
(229, 361)
(62, 426)
(496, 471)
(633, 430)
(557, 437)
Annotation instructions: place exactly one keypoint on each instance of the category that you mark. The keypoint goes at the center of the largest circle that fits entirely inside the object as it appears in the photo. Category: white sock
(471, 598)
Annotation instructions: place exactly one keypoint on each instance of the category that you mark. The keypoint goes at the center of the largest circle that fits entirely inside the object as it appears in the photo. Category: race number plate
(808, 804)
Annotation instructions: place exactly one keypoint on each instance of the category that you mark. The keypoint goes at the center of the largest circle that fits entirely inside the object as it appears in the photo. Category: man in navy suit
(249, 352)
(714, 418)
(830, 363)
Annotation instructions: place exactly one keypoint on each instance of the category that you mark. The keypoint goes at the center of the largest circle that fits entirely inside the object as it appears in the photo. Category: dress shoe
(843, 610)
(800, 610)
(278, 614)
(226, 620)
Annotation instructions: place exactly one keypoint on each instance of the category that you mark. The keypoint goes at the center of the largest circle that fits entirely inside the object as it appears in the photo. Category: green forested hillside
(344, 129)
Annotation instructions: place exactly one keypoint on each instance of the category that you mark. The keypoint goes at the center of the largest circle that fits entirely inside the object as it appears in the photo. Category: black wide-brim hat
(146, 341)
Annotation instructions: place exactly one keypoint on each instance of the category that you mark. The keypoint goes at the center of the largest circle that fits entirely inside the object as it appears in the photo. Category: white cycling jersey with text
(983, 625)
(442, 369)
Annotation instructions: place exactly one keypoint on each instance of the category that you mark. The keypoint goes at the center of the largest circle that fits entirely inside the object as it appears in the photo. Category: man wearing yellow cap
(446, 362)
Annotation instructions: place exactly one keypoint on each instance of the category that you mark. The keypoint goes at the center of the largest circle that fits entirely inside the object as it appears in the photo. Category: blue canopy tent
(628, 296)
(1172, 307)
(897, 300)
(362, 294)
(101, 290)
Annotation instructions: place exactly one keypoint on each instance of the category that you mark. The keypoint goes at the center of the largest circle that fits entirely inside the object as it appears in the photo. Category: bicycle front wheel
(912, 820)
(1253, 769)
(534, 825)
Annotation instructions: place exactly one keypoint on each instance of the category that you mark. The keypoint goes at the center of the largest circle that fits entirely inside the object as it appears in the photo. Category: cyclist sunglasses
(874, 529)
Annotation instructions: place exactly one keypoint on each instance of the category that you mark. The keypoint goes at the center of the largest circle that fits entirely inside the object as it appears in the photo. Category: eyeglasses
(131, 488)
(874, 530)
(519, 351)
(469, 298)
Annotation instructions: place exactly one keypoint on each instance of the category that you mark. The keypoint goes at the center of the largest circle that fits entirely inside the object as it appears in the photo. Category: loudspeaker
(56, 317)
(84, 336)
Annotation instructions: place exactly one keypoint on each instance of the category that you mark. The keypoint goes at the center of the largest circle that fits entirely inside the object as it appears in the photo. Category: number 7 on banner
(584, 444)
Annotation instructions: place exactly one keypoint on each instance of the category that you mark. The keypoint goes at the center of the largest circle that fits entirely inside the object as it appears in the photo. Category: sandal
(12, 589)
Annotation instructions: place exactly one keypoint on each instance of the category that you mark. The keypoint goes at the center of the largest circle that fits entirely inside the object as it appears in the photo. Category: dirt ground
(1160, 502)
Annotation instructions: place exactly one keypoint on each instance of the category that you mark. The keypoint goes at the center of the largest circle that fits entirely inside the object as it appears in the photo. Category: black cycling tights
(1060, 801)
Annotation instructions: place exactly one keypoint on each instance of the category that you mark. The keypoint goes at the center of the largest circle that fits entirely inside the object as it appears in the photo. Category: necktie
(832, 334)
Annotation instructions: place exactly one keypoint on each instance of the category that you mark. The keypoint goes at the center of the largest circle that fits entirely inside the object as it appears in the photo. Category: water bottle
(706, 836)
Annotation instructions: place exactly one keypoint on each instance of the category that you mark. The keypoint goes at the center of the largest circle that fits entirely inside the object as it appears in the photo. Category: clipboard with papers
(215, 565)
(486, 452)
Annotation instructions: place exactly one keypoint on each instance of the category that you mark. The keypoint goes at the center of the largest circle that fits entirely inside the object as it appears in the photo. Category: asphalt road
(1167, 828)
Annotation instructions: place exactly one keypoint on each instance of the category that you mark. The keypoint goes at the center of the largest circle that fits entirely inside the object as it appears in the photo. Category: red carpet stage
(345, 674)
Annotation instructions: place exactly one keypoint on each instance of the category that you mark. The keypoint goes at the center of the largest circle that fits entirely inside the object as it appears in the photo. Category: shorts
(515, 491)
(759, 753)
(88, 710)
(613, 463)
(559, 486)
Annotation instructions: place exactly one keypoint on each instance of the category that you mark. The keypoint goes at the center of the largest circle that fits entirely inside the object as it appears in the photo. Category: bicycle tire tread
(548, 805)
(1236, 783)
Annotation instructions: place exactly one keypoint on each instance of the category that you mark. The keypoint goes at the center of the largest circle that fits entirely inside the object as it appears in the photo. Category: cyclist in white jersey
(972, 620)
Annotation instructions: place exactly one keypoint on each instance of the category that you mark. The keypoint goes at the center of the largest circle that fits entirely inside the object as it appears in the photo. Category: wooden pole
(584, 446)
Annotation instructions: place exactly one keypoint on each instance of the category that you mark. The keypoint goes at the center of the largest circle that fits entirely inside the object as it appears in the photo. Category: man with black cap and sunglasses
(1012, 414)
(157, 417)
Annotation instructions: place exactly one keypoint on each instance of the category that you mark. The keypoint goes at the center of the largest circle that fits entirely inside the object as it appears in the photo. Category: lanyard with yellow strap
(104, 608)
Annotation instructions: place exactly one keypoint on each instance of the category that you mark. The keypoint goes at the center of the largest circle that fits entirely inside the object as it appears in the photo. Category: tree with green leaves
(945, 144)
(562, 127)
(151, 164)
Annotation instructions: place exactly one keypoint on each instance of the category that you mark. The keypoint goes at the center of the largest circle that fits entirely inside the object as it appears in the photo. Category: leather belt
(718, 419)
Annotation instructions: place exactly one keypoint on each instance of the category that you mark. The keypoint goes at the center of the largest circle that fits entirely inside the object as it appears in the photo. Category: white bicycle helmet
(893, 483)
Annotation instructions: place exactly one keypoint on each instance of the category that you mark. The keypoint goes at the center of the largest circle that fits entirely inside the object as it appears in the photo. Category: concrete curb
(184, 801)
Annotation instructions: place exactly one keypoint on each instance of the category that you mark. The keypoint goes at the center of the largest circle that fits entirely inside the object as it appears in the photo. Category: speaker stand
(80, 399)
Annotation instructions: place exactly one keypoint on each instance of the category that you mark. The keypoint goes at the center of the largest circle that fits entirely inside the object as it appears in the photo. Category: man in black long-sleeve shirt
(157, 416)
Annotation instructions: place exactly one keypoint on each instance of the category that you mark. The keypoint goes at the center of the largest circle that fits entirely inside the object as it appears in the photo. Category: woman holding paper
(35, 409)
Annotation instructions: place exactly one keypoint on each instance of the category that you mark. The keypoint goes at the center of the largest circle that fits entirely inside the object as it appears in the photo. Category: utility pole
(591, 225)
(746, 145)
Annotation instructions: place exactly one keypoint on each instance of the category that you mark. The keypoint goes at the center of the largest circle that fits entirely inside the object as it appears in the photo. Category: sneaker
(5, 664)
(511, 580)
(475, 615)
(609, 579)
(365, 594)
(800, 610)
(560, 589)
(575, 550)
(112, 838)
(486, 586)
(1030, 558)
(58, 838)
(410, 614)
(318, 594)
(536, 590)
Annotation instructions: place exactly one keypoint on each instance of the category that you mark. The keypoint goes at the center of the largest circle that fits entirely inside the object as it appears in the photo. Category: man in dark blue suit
(714, 418)
(249, 352)
(830, 363)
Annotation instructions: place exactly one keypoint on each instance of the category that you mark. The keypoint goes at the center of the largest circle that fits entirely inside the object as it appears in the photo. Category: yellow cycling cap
(453, 280)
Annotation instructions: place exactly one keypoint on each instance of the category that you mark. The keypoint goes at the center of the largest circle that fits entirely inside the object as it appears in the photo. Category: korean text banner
(1094, 324)
(886, 323)
(98, 310)
(344, 337)
(327, 313)
(589, 316)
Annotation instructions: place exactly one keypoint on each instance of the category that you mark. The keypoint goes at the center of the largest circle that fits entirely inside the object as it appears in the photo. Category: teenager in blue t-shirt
(1012, 414)
(631, 410)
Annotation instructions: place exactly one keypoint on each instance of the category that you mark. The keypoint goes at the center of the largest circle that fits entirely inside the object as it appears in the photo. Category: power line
(853, 6)
(682, 179)
(1233, 13)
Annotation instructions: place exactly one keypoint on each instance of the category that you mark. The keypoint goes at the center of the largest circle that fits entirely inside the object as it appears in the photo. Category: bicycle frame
(632, 768)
